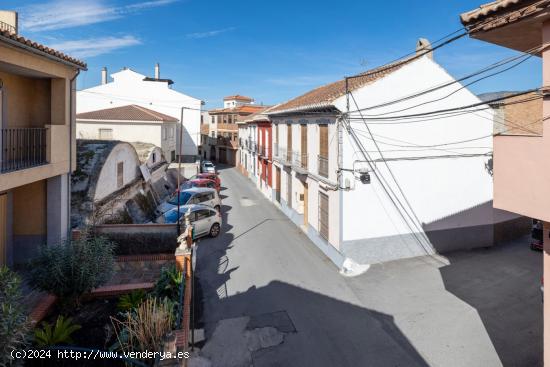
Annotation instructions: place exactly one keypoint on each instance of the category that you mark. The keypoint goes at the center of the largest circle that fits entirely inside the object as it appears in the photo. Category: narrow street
(263, 274)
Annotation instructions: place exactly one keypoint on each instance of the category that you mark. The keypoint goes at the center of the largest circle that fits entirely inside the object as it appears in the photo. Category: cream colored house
(37, 142)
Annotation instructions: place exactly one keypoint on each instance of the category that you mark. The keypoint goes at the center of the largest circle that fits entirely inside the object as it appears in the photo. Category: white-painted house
(131, 88)
(430, 190)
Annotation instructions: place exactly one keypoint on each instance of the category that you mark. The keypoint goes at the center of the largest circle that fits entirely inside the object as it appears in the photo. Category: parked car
(208, 167)
(208, 176)
(195, 195)
(200, 182)
(205, 220)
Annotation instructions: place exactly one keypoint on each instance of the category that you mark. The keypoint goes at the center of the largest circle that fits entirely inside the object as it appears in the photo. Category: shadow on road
(326, 331)
(502, 284)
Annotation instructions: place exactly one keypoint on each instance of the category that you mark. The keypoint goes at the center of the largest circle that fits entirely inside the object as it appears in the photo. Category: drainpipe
(70, 152)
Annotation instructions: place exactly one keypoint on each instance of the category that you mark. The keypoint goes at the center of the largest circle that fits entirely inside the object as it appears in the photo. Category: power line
(443, 111)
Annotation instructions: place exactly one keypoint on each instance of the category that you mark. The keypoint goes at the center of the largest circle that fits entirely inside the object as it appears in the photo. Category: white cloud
(95, 46)
(61, 14)
(208, 34)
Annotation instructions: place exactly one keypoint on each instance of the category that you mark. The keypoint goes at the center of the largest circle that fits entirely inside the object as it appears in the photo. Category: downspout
(69, 229)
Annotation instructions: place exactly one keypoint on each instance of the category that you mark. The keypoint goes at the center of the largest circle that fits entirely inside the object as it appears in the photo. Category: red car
(200, 182)
(208, 176)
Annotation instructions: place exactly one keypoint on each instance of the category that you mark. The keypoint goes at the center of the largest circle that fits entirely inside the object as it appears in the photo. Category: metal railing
(322, 165)
(276, 150)
(7, 27)
(299, 160)
(262, 151)
(22, 148)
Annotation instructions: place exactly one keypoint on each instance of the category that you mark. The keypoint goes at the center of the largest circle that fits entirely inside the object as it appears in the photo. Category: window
(213, 119)
(323, 150)
(213, 133)
(171, 132)
(323, 215)
(154, 157)
(288, 141)
(105, 134)
(172, 155)
(202, 119)
(119, 174)
(203, 214)
(163, 133)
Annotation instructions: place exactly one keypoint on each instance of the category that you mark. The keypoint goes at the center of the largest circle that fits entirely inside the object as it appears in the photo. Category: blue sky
(269, 50)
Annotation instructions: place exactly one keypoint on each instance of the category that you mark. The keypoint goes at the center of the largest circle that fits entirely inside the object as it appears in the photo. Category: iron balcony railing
(322, 164)
(22, 148)
(299, 160)
(7, 27)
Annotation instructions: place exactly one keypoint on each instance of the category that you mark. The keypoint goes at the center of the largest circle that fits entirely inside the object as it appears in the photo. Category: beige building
(37, 142)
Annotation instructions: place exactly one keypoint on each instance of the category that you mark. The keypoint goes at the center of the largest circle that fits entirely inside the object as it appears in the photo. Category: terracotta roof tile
(41, 48)
(238, 97)
(324, 96)
(491, 8)
(245, 110)
(126, 113)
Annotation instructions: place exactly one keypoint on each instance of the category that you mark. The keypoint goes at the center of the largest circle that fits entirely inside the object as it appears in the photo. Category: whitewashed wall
(128, 87)
(436, 188)
(107, 181)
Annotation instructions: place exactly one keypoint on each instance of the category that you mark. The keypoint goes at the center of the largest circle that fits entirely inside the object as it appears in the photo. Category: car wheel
(215, 230)
(218, 209)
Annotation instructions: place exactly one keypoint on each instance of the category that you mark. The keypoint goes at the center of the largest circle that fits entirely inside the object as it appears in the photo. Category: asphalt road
(262, 279)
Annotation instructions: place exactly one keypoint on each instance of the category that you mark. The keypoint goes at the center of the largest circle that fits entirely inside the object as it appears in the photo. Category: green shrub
(59, 334)
(131, 301)
(169, 283)
(74, 268)
(144, 328)
(14, 325)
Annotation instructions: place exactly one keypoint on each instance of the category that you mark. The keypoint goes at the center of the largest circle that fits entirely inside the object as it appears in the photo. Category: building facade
(131, 123)
(37, 143)
(154, 93)
(222, 143)
(521, 156)
(358, 179)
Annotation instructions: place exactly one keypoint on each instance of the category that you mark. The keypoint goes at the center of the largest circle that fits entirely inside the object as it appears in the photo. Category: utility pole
(180, 146)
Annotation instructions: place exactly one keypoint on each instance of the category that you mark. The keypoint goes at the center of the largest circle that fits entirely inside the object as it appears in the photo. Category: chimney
(9, 21)
(104, 75)
(157, 71)
(423, 46)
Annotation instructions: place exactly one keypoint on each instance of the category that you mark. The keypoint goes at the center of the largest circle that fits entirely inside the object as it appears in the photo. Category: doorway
(306, 209)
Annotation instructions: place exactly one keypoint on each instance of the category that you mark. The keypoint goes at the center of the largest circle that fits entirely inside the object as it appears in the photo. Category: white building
(430, 190)
(130, 123)
(131, 88)
(248, 147)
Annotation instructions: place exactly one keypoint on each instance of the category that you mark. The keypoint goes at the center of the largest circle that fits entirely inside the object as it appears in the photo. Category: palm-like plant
(130, 301)
(60, 333)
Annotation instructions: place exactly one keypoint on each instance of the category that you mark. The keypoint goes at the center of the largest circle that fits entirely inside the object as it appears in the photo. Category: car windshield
(184, 198)
(208, 164)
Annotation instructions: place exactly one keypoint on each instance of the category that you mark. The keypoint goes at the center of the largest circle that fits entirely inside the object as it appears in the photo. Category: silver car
(194, 195)
(208, 167)
(205, 220)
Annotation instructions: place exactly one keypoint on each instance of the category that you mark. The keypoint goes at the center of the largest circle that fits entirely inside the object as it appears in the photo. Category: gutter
(70, 151)
(36, 51)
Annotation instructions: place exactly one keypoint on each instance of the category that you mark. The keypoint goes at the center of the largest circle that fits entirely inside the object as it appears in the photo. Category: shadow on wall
(324, 331)
(502, 284)
(462, 230)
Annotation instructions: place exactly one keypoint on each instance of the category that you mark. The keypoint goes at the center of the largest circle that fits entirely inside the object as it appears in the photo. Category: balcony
(228, 127)
(263, 151)
(22, 148)
(299, 161)
(227, 142)
(276, 150)
(322, 165)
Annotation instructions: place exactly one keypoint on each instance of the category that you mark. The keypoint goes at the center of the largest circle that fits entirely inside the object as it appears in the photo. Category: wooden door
(278, 184)
(303, 137)
(288, 142)
(306, 189)
(3, 228)
(323, 215)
